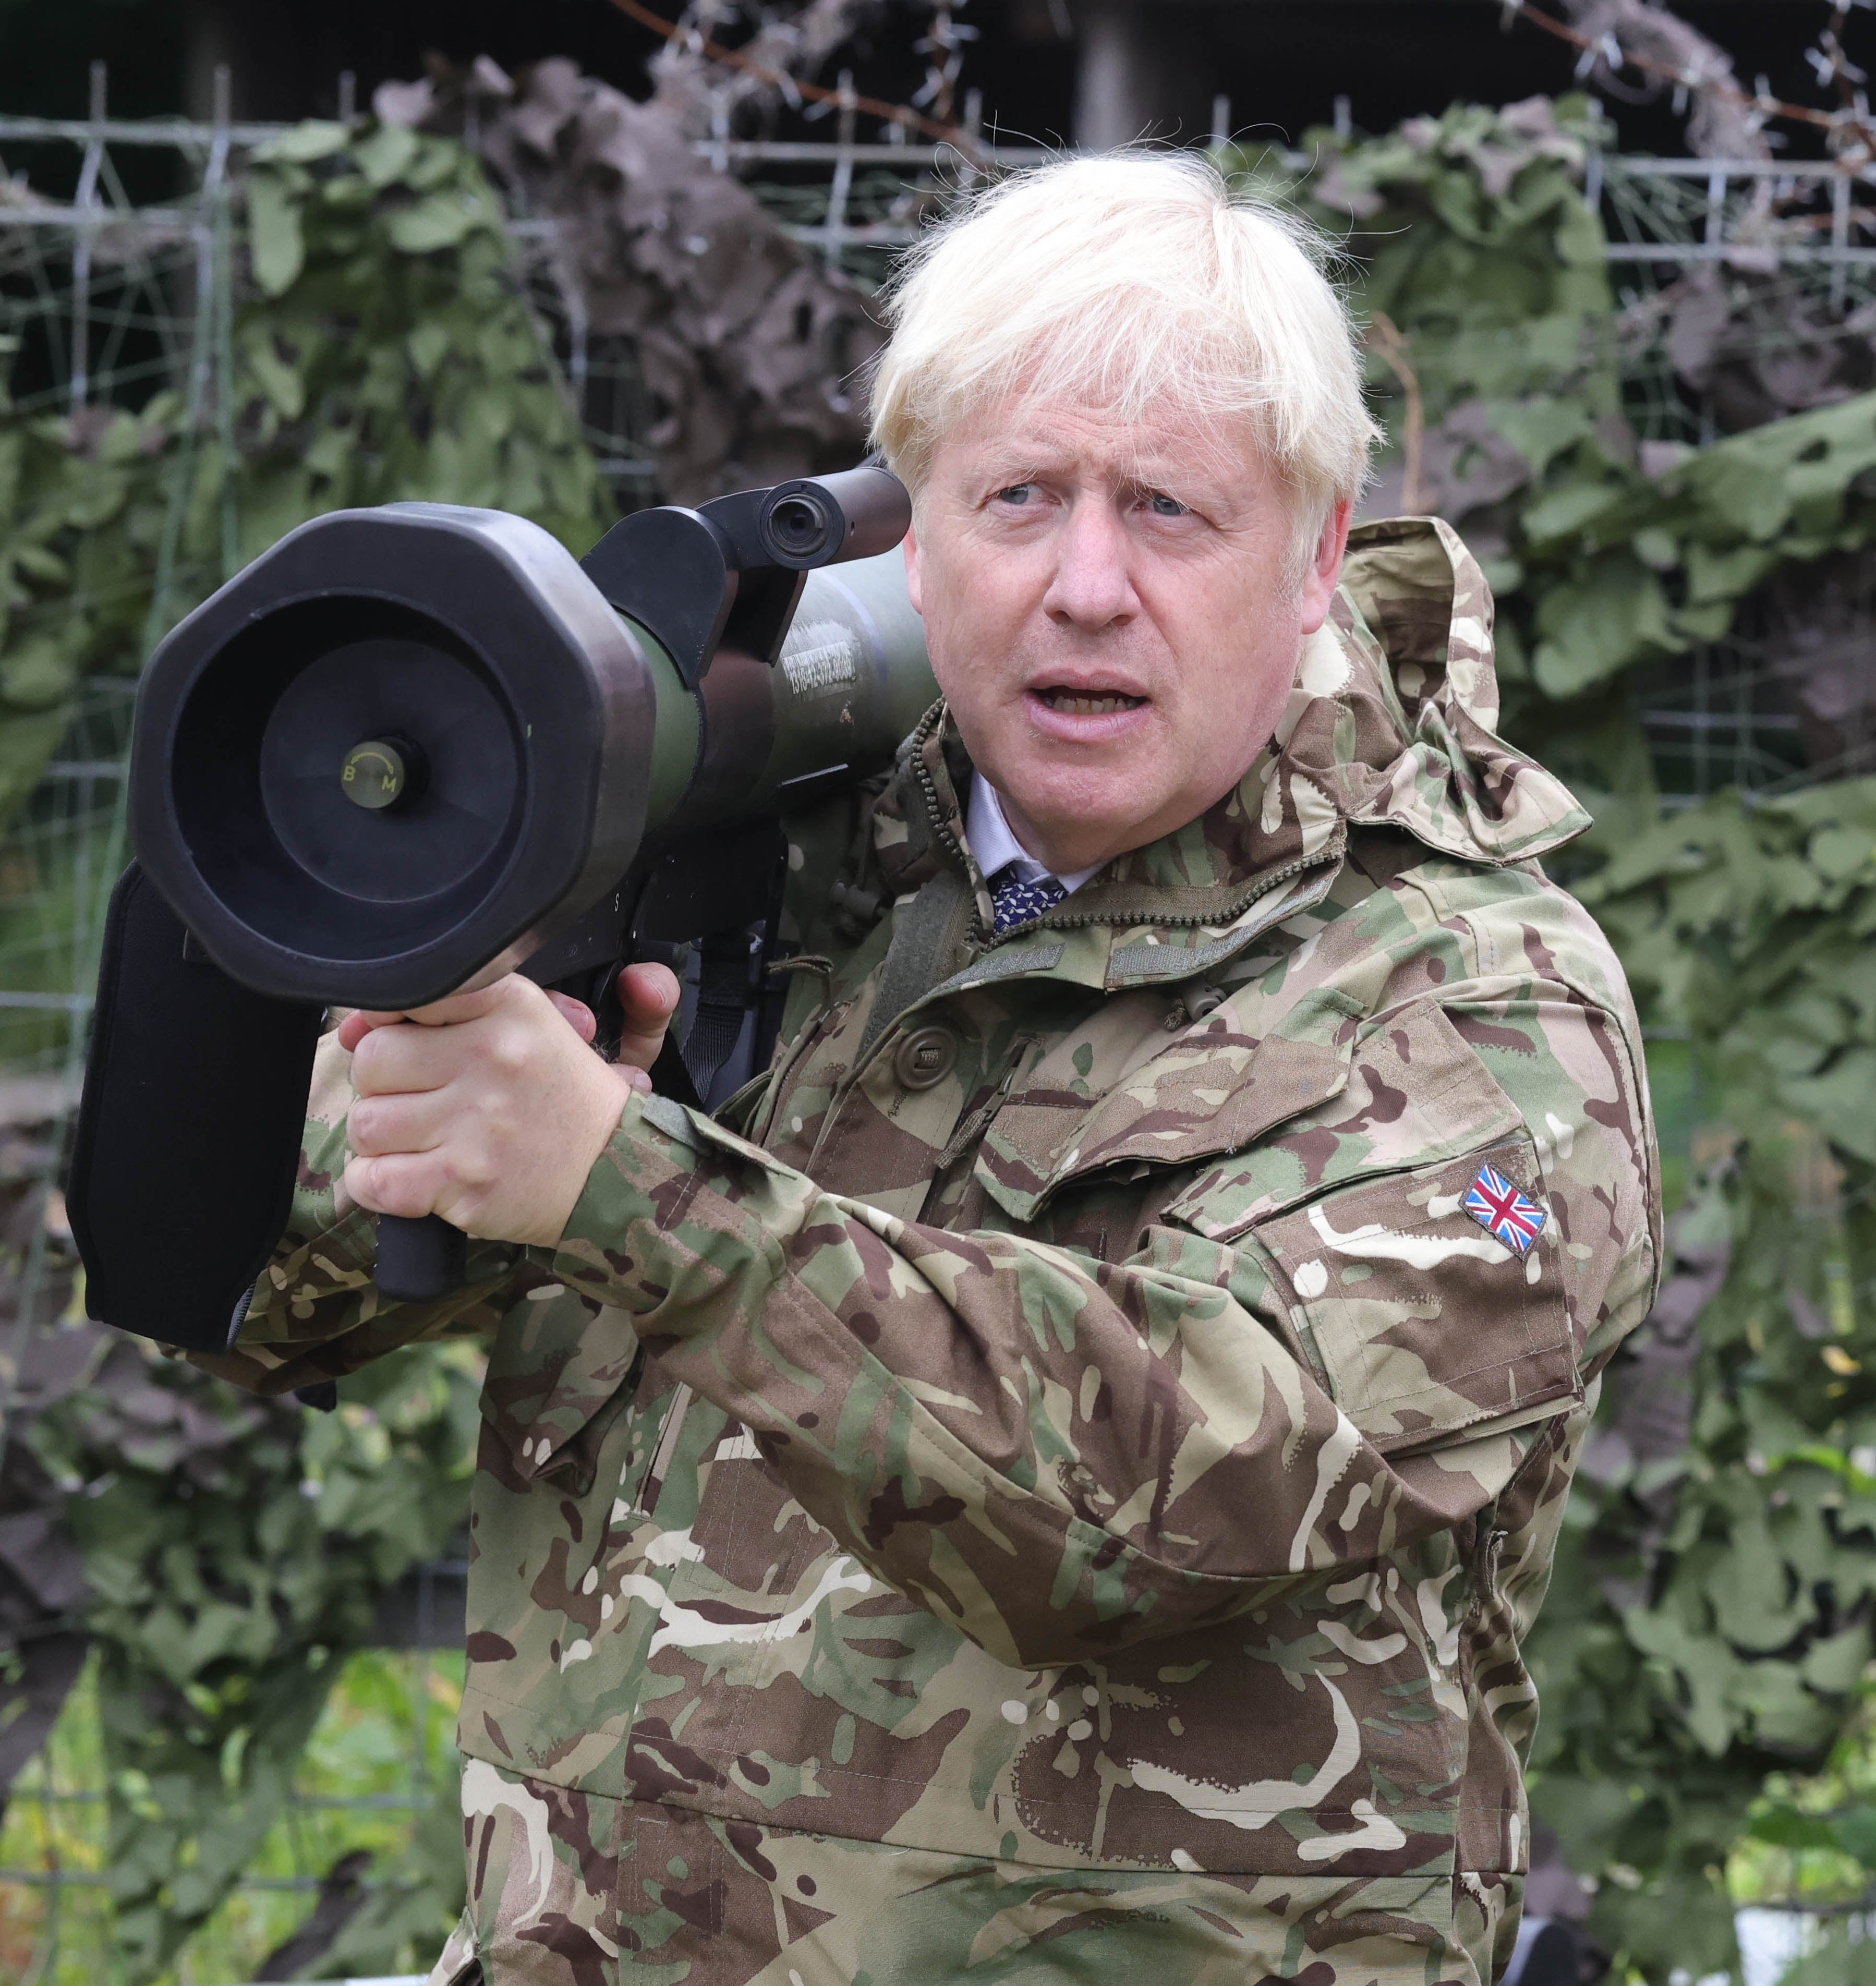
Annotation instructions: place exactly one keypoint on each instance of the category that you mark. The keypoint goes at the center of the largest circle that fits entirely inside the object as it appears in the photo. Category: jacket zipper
(653, 1482)
(979, 1121)
(941, 831)
(1332, 851)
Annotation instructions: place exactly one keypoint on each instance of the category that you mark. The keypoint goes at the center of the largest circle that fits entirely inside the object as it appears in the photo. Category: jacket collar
(1389, 725)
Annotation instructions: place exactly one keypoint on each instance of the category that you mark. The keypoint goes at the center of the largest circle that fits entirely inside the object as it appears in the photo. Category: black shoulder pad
(188, 1132)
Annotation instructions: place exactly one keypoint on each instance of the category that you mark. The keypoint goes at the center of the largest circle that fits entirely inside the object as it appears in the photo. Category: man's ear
(914, 579)
(1324, 572)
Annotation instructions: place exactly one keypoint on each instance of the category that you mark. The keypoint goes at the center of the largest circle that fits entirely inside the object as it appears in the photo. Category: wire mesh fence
(116, 270)
(1747, 289)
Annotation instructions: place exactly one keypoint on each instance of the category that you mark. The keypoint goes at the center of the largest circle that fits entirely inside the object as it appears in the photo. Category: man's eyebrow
(1009, 464)
(1013, 460)
(1006, 464)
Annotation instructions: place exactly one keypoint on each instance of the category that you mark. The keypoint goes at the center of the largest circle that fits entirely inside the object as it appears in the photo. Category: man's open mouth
(1081, 703)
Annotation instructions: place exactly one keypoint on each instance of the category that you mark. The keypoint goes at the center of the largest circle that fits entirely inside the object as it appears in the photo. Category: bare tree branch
(799, 41)
(1722, 123)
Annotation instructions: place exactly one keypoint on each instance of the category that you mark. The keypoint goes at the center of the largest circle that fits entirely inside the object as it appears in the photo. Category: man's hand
(491, 1110)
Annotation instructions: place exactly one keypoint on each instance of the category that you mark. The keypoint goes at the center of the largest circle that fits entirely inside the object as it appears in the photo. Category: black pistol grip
(419, 1261)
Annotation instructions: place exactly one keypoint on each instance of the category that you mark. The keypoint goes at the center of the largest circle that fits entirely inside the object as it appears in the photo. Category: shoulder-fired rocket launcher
(410, 748)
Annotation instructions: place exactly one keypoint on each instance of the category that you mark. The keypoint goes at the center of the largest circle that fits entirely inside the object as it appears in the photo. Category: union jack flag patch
(1498, 1205)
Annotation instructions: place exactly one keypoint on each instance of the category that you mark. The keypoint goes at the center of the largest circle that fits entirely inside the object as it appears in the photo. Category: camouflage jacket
(1062, 1485)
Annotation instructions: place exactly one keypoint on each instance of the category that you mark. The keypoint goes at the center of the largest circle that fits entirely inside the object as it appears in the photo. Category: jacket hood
(1390, 725)
(1395, 712)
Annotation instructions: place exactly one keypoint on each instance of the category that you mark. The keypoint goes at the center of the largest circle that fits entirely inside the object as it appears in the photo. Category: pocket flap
(1415, 1093)
(1422, 1322)
(1209, 1092)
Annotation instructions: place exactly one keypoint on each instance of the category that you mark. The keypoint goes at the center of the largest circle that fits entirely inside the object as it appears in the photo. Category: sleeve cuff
(610, 1247)
(674, 1207)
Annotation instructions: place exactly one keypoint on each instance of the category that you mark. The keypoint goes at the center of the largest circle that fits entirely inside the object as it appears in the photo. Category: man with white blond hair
(1052, 1483)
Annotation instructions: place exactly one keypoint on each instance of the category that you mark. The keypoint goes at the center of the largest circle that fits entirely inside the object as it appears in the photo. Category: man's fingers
(439, 1014)
(578, 1015)
(408, 1183)
(358, 1023)
(405, 1059)
(409, 1121)
(647, 996)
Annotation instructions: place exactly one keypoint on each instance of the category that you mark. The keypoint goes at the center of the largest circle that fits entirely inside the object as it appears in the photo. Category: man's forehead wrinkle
(1041, 441)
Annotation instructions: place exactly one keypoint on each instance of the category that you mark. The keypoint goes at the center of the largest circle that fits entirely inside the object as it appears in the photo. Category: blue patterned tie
(1016, 903)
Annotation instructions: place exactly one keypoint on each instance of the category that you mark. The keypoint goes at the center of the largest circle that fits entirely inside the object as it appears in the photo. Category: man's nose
(1093, 587)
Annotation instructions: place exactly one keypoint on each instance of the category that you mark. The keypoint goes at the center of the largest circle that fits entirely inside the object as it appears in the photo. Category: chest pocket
(1213, 1090)
(1425, 1322)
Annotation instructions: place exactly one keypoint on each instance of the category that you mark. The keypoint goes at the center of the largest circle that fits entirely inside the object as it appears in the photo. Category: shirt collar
(997, 848)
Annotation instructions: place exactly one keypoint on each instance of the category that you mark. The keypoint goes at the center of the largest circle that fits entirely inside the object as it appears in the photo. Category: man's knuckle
(510, 1050)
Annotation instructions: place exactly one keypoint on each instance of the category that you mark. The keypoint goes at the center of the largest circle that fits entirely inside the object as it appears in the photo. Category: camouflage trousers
(569, 1889)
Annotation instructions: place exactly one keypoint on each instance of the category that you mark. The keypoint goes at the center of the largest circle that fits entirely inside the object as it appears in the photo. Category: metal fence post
(834, 234)
(1840, 239)
(85, 203)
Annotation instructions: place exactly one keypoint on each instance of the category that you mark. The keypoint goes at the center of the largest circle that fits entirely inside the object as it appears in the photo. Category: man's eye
(1017, 493)
(1166, 506)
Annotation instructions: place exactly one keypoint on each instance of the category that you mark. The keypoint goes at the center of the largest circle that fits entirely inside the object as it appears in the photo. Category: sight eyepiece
(798, 527)
(826, 519)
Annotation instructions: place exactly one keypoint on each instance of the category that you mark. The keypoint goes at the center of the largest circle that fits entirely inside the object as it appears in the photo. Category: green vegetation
(236, 1548)
(379, 351)
(377, 348)
(1709, 1622)
(1704, 1650)
(1704, 1647)
(377, 1777)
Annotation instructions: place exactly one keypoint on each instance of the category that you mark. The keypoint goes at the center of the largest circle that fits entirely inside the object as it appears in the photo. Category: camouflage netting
(1709, 1629)
(751, 352)
(1715, 1621)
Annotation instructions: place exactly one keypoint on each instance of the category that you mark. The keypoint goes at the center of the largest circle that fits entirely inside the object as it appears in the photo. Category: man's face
(1107, 617)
